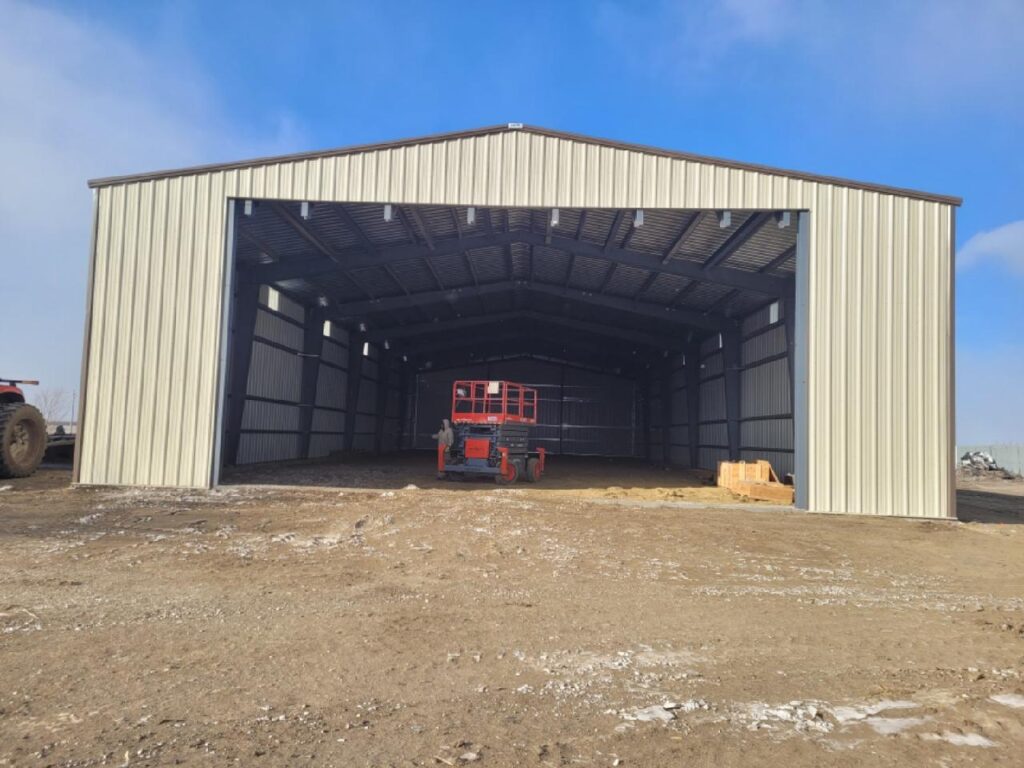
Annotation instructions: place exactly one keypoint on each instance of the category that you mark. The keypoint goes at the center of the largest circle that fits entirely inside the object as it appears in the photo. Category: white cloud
(889, 56)
(78, 100)
(1003, 245)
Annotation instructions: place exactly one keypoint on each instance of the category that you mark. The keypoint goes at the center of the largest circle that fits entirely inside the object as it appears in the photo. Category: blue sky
(918, 94)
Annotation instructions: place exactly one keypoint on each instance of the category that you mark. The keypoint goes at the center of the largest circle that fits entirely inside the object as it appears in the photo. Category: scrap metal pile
(981, 464)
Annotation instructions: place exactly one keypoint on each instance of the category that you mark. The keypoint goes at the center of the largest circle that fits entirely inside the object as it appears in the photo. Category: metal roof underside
(440, 279)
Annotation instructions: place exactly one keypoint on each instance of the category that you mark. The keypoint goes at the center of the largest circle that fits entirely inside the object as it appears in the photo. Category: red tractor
(491, 421)
(22, 431)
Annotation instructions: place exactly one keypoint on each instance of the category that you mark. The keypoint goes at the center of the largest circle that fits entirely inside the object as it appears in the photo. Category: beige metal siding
(153, 349)
(880, 298)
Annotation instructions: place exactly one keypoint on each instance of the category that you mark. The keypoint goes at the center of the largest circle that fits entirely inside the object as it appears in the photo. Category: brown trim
(76, 468)
(296, 156)
(951, 373)
(489, 130)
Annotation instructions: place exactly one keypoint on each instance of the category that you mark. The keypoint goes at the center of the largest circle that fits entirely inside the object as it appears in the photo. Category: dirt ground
(344, 618)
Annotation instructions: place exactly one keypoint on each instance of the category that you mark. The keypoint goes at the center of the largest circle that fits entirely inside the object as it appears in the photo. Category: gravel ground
(362, 624)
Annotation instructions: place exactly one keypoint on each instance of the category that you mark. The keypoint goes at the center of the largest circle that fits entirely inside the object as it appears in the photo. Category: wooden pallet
(754, 480)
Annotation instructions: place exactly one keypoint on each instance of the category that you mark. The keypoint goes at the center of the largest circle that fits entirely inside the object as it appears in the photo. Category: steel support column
(403, 401)
(312, 348)
(731, 363)
(666, 413)
(693, 403)
(789, 321)
(243, 328)
(645, 403)
(354, 377)
(801, 362)
(381, 400)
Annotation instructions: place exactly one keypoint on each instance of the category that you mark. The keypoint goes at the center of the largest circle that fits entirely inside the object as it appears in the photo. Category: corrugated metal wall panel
(879, 325)
(772, 434)
(328, 421)
(331, 387)
(770, 342)
(709, 457)
(764, 390)
(256, 447)
(274, 373)
(714, 435)
(712, 400)
(711, 364)
(334, 353)
(278, 330)
(274, 417)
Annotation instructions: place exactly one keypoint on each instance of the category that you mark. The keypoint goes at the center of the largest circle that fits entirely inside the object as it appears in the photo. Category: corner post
(801, 362)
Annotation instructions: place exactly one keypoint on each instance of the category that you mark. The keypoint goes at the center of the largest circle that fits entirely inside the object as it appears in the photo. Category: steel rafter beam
(306, 234)
(689, 288)
(428, 238)
(528, 341)
(630, 368)
(723, 301)
(737, 239)
(643, 338)
(663, 314)
(293, 221)
(354, 227)
(646, 286)
(360, 259)
(262, 247)
(680, 241)
(594, 345)
(409, 232)
(354, 260)
(734, 278)
(610, 240)
(778, 261)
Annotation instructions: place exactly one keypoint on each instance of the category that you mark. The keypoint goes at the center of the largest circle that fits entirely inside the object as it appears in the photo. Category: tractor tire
(22, 439)
(511, 477)
(533, 473)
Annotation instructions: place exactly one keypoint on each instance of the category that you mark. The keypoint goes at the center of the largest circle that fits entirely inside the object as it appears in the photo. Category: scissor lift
(491, 421)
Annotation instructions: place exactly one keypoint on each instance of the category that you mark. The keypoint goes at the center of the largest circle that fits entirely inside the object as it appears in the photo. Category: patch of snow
(863, 711)
(887, 726)
(1014, 700)
(654, 714)
(960, 739)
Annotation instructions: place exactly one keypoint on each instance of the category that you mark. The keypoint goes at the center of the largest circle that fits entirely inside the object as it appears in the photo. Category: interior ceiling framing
(434, 275)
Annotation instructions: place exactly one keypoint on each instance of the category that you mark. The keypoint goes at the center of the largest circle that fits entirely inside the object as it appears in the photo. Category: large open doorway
(664, 337)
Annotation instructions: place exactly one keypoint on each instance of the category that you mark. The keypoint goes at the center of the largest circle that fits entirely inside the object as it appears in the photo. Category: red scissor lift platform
(491, 422)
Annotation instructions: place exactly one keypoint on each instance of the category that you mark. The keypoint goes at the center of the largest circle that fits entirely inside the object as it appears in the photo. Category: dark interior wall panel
(767, 428)
(271, 418)
(599, 414)
(579, 411)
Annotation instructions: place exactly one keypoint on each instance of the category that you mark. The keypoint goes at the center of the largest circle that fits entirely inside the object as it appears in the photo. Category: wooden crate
(755, 480)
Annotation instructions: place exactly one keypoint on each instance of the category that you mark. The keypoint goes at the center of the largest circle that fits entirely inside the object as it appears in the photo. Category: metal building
(681, 308)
